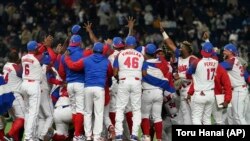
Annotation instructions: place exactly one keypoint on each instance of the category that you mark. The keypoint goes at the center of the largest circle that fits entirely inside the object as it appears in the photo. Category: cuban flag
(6, 97)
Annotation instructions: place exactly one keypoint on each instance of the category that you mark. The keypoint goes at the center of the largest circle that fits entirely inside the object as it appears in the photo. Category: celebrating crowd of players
(93, 89)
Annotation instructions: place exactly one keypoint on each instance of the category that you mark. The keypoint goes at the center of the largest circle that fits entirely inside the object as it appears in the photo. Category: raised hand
(88, 26)
(48, 41)
(161, 27)
(205, 36)
(131, 22)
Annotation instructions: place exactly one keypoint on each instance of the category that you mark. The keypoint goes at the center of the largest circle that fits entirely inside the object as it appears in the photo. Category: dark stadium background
(227, 20)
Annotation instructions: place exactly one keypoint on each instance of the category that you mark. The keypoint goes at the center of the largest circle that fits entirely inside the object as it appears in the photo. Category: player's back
(10, 75)
(203, 77)
(32, 69)
(236, 75)
(130, 63)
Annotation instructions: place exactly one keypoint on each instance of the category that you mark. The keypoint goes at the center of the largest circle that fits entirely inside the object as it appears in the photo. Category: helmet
(231, 47)
(207, 50)
(32, 45)
(130, 41)
(75, 28)
(98, 47)
(75, 40)
(150, 49)
(117, 42)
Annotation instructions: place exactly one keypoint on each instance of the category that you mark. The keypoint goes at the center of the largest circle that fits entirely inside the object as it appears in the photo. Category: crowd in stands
(227, 20)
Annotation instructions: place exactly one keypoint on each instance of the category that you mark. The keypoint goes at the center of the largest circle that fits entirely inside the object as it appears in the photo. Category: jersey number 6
(26, 69)
(131, 62)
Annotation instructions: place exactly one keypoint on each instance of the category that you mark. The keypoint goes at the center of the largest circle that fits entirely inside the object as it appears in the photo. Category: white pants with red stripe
(45, 114)
(201, 107)
(128, 89)
(152, 104)
(237, 113)
(184, 109)
(32, 91)
(94, 100)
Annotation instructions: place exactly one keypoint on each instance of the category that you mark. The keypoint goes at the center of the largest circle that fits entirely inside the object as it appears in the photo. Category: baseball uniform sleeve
(110, 70)
(227, 64)
(18, 69)
(192, 68)
(52, 54)
(226, 83)
(191, 89)
(76, 66)
(116, 64)
(144, 66)
(164, 84)
(61, 69)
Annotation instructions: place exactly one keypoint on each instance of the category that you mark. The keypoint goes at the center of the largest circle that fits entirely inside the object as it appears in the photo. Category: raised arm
(167, 40)
(88, 27)
(130, 25)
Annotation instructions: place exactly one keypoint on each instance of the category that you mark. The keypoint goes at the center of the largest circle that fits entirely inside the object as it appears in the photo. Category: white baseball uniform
(236, 113)
(203, 99)
(184, 109)
(130, 63)
(152, 99)
(46, 107)
(32, 76)
(14, 83)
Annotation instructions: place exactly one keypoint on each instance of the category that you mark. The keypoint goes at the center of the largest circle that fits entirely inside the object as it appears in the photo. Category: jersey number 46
(131, 62)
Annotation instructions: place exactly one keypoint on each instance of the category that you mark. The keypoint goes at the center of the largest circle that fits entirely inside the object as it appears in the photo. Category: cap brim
(205, 54)
(74, 44)
(119, 46)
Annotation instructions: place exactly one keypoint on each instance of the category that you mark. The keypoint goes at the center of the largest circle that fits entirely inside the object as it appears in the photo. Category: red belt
(31, 80)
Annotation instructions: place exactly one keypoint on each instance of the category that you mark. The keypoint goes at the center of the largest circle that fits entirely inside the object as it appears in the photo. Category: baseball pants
(184, 109)
(32, 89)
(45, 114)
(94, 99)
(201, 107)
(128, 89)
(219, 114)
(237, 113)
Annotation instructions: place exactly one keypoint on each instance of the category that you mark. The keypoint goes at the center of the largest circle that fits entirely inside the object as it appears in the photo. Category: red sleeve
(19, 70)
(163, 66)
(61, 70)
(39, 57)
(55, 81)
(110, 70)
(191, 89)
(226, 83)
(87, 52)
(52, 54)
(41, 48)
(76, 66)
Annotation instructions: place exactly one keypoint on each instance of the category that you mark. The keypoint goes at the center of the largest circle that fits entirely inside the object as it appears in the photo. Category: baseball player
(152, 97)
(118, 45)
(12, 72)
(130, 64)
(236, 114)
(96, 67)
(32, 77)
(75, 86)
(203, 99)
(184, 57)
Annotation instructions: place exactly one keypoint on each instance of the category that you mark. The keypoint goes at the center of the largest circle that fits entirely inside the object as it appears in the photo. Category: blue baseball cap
(118, 43)
(231, 47)
(75, 40)
(32, 45)
(75, 28)
(130, 41)
(98, 47)
(150, 49)
(207, 50)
